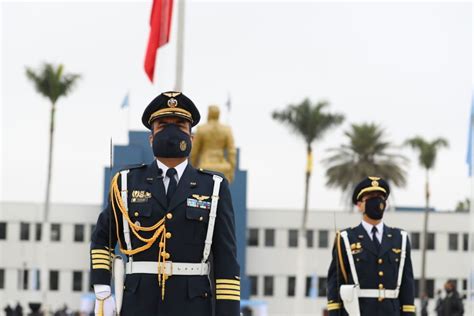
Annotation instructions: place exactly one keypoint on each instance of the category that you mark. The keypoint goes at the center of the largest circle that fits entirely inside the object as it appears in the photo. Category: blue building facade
(138, 151)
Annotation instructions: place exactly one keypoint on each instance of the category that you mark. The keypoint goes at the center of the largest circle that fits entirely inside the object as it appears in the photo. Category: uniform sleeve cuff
(408, 308)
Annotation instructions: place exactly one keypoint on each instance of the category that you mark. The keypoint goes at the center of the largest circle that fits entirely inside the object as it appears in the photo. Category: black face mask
(171, 142)
(374, 207)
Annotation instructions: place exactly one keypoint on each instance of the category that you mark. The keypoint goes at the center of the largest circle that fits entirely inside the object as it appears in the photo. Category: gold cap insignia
(183, 145)
(172, 103)
(374, 178)
(172, 94)
(375, 183)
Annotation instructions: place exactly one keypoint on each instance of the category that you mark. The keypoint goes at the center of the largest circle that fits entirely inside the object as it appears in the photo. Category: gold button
(168, 235)
(396, 259)
(169, 216)
(137, 223)
(380, 286)
(167, 256)
(136, 214)
(165, 277)
(357, 259)
(380, 273)
(380, 261)
(380, 299)
(164, 254)
(162, 244)
(205, 294)
(201, 218)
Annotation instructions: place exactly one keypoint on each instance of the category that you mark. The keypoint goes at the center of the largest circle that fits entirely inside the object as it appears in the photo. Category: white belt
(378, 293)
(171, 268)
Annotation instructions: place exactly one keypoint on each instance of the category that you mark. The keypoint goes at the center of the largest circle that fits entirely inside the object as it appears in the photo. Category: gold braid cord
(158, 229)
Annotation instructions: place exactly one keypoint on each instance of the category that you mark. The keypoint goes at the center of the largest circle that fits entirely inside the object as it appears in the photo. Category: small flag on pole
(470, 139)
(125, 101)
(228, 104)
(160, 26)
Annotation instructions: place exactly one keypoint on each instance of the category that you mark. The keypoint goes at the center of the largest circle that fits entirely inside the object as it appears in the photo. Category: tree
(463, 206)
(368, 153)
(310, 122)
(427, 157)
(51, 82)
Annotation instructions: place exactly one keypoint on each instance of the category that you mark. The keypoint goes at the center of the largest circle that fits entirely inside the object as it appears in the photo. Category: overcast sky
(404, 66)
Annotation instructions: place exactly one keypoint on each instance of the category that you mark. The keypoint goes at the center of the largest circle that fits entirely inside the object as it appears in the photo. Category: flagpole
(180, 46)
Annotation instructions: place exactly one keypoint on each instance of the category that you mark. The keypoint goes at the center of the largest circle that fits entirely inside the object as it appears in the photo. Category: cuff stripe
(100, 266)
(334, 306)
(228, 292)
(408, 308)
(100, 261)
(100, 256)
(228, 297)
(101, 251)
(227, 281)
(227, 287)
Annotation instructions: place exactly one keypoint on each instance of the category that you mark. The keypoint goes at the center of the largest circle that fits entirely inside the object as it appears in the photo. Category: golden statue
(213, 146)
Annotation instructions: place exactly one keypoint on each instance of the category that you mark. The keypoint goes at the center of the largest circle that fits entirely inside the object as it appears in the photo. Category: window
(77, 281)
(323, 239)
(293, 238)
(24, 231)
(465, 242)
(431, 241)
(268, 285)
(429, 288)
(252, 237)
(291, 288)
(25, 279)
(322, 287)
(453, 241)
(2, 278)
(415, 241)
(55, 232)
(310, 286)
(310, 238)
(269, 237)
(78, 232)
(92, 230)
(253, 285)
(38, 231)
(35, 279)
(53, 280)
(3, 230)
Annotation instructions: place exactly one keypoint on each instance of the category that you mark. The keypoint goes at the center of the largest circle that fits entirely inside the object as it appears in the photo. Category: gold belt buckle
(381, 294)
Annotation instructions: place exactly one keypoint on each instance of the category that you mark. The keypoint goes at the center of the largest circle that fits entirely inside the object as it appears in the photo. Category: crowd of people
(450, 304)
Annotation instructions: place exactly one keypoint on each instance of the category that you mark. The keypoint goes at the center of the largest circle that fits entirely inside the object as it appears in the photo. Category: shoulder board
(210, 172)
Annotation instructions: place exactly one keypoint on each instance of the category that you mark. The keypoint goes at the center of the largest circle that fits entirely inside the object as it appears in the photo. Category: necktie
(374, 238)
(170, 173)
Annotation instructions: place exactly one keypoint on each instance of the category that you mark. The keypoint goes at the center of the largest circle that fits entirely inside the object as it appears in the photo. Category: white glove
(104, 303)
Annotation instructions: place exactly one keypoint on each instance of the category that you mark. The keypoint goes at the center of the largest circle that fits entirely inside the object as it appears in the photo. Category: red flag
(160, 26)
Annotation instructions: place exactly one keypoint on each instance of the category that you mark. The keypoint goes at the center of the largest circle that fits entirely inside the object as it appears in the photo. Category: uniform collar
(368, 228)
(179, 168)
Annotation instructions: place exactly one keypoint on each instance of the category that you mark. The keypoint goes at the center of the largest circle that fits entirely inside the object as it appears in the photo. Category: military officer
(167, 217)
(371, 271)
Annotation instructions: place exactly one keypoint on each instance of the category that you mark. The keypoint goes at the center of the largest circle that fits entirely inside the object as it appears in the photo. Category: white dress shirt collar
(368, 229)
(179, 168)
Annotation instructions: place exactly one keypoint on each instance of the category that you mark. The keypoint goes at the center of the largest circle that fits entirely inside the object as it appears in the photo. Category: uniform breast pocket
(394, 259)
(360, 261)
(139, 210)
(198, 219)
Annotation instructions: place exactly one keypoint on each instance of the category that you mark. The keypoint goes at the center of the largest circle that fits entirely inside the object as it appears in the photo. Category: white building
(61, 249)
(272, 251)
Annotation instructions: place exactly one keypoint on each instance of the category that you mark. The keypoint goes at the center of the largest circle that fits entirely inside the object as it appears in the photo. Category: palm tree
(427, 157)
(367, 153)
(51, 82)
(310, 122)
